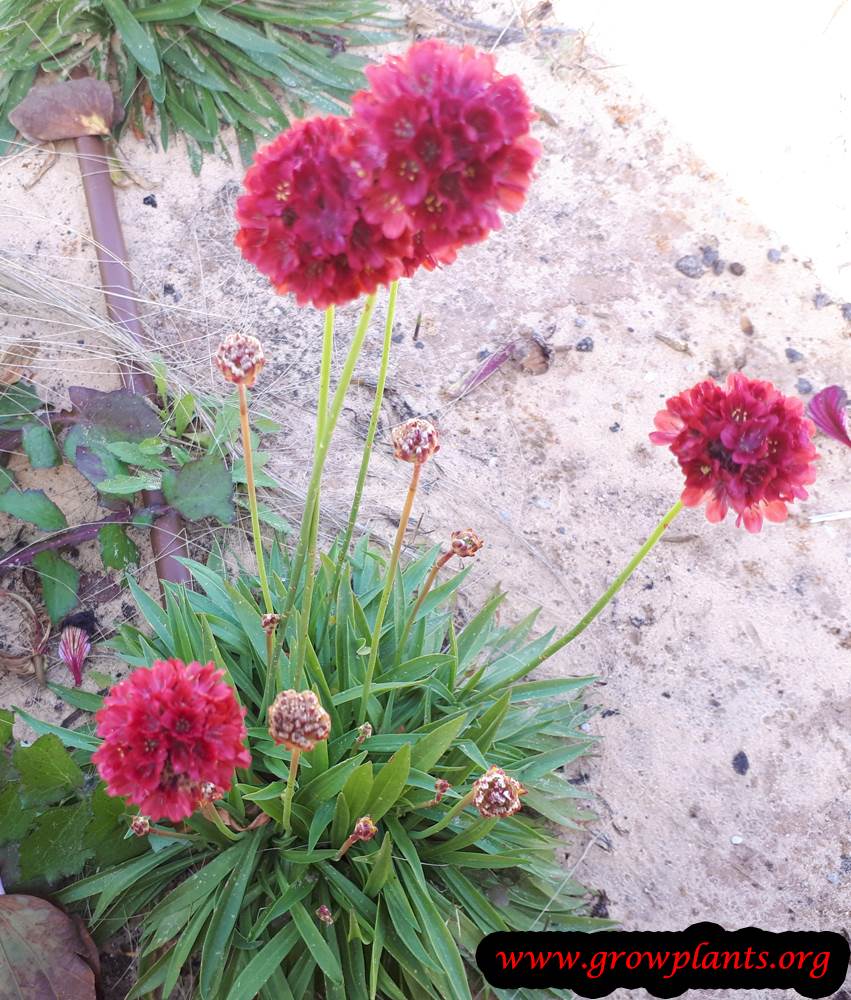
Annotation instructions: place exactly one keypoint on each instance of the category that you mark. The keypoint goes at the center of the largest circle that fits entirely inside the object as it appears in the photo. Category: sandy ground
(724, 646)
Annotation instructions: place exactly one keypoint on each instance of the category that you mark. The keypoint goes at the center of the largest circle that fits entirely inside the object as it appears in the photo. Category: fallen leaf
(43, 953)
(65, 110)
(14, 359)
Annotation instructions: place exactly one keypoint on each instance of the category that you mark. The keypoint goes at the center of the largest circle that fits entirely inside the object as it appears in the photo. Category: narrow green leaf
(428, 750)
(319, 950)
(389, 783)
(382, 867)
(262, 966)
(134, 36)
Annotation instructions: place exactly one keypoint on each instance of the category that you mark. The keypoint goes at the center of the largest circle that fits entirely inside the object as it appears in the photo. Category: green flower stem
(290, 790)
(211, 814)
(388, 588)
(615, 586)
(370, 434)
(252, 497)
(310, 523)
(459, 806)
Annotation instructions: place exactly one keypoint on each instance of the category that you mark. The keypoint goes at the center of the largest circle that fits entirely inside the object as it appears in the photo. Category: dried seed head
(270, 623)
(466, 543)
(364, 829)
(415, 441)
(240, 358)
(298, 720)
(74, 647)
(496, 794)
(364, 733)
(324, 914)
(140, 826)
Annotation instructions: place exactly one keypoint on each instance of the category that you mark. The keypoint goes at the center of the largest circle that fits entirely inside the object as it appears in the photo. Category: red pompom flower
(168, 732)
(743, 446)
(450, 137)
(301, 220)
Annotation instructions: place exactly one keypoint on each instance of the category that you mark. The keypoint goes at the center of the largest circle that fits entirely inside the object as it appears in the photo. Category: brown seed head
(415, 441)
(497, 794)
(466, 543)
(270, 623)
(240, 358)
(298, 720)
(141, 826)
(364, 829)
(324, 914)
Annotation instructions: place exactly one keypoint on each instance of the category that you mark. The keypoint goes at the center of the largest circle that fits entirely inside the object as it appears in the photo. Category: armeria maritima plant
(401, 770)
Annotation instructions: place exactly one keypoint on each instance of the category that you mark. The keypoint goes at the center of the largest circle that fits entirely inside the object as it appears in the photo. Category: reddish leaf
(827, 411)
(66, 110)
(119, 416)
(43, 953)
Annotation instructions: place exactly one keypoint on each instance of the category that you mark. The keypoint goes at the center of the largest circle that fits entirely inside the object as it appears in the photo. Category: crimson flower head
(170, 734)
(743, 446)
(451, 139)
(301, 219)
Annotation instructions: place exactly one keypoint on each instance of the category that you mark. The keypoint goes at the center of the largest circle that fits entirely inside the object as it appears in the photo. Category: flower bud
(298, 720)
(240, 359)
(74, 647)
(415, 441)
(364, 829)
(140, 826)
(496, 794)
(441, 787)
(270, 622)
(324, 914)
(466, 543)
(364, 733)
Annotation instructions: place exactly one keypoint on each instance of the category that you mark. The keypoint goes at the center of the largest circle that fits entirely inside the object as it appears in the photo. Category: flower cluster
(415, 441)
(171, 734)
(743, 446)
(335, 207)
(496, 794)
(298, 720)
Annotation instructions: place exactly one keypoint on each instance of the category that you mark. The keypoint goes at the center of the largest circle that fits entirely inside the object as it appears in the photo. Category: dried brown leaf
(14, 360)
(65, 110)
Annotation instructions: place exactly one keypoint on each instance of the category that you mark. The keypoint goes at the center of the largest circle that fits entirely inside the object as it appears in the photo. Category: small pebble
(833, 878)
(562, 531)
(718, 266)
(736, 839)
(793, 355)
(419, 345)
(579, 321)
(774, 256)
(804, 386)
(741, 763)
(690, 266)
(150, 200)
(615, 427)
(397, 338)
(585, 345)
(737, 269)
(846, 311)
(710, 255)
(820, 300)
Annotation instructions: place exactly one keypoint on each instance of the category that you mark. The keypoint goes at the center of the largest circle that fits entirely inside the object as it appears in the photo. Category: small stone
(710, 255)
(737, 269)
(150, 200)
(397, 338)
(585, 345)
(419, 345)
(846, 311)
(690, 266)
(718, 266)
(615, 427)
(833, 878)
(736, 839)
(820, 300)
(793, 355)
(804, 386)
(741, 763)
(579, 321)
(774, 256)
(845, 864)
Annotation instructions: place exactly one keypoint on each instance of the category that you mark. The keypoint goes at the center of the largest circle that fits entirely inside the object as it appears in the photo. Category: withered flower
(364, 733)
(270, 622)
(140, 826)
(496, 794)
(466, 543)
(364, 829)
(324, 914)
(298, 720)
